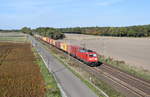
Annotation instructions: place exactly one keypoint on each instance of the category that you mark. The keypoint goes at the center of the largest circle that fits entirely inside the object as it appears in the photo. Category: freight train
(87, 56)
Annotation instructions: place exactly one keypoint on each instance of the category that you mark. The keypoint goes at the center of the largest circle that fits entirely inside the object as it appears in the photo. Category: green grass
(144, 74)
(52, 89)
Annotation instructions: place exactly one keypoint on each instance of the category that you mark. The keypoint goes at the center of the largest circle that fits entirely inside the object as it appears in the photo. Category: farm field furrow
(19, 74)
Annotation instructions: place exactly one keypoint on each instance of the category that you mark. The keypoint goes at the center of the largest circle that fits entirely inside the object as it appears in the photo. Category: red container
(58, 44)
(49, 40)
(69, 49)
(73, 50)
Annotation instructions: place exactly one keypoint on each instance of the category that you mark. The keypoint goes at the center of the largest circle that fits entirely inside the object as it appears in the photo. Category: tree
(27, 30)
(50, 32)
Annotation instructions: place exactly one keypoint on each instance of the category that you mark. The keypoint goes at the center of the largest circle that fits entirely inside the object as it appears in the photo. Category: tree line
(53, 33)
(130, 31)
(44, 31)
(5, 31)
(58, 33)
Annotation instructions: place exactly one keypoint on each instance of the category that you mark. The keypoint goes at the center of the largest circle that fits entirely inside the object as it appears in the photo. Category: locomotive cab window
(92, 55)
(82, 50)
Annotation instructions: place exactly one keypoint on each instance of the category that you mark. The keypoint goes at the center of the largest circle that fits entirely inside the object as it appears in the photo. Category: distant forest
(130, 31)
(5, 31)
(58, 33)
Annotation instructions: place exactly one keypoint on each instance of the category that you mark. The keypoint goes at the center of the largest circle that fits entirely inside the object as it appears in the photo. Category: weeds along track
(128, 85)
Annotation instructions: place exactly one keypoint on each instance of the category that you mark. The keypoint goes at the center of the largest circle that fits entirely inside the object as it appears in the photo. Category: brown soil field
(19, 74)
(11, 34)
(134, 51)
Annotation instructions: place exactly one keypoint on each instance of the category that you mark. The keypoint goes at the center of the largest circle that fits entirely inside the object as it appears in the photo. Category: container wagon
(87, 56)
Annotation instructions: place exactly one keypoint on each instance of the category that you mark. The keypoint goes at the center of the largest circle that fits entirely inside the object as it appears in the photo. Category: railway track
(137, 88)
(135, 84)
(128, 85)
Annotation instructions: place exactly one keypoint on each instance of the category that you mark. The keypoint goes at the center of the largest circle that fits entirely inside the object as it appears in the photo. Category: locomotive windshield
(92, 55)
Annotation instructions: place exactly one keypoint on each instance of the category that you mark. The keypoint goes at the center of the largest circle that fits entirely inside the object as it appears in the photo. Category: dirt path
(134, 51)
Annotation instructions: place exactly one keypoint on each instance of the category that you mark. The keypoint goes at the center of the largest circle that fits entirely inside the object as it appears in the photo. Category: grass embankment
(91, 81)
(144, 74)
(52, 89)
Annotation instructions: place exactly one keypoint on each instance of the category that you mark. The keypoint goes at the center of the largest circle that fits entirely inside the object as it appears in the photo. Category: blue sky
(15, 14)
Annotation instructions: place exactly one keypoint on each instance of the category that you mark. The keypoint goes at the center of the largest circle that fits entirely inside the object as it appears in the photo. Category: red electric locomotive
(87, 56)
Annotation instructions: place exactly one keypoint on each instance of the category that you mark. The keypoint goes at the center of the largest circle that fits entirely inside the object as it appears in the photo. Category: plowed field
(19, 74)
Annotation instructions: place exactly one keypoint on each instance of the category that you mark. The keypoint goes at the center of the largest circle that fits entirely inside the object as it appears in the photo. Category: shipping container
(44, 38)
(47, 39)
(53, 42)
(50, 41)
(69, 49)
(73, 50)
(63, 46)
(58, 44)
